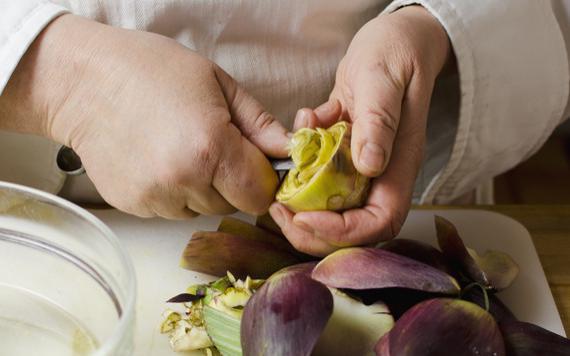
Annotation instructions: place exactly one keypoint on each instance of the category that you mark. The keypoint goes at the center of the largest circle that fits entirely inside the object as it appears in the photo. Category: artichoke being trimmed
(324, 177)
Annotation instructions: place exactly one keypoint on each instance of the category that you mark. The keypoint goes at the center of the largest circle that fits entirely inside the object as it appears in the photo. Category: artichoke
(211, 321)
(324, 177)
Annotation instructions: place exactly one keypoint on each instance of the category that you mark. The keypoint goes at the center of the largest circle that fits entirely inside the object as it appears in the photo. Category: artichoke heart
(324, 177)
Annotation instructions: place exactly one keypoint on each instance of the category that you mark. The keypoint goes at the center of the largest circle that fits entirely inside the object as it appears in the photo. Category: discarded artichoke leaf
(286, 315)
(187, 337)
(243, 229)
(353, 328)
(224, 330)
(371, 268)
(184, 298)
(443, 327)
(494, 270)
(170, 319)
(454, 250)
(197, 289)
(525, 339)
(231, 302)
(500, 268)
(419, 251)
(217, 314)
(324, 177)
(237, 227)
(217, 252)
(223, 283)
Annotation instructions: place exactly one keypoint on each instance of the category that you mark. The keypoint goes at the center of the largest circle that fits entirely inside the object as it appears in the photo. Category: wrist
(45, 77)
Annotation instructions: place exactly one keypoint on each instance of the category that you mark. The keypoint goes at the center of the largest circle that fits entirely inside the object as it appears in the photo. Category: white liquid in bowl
(52, 301)
(32, 325)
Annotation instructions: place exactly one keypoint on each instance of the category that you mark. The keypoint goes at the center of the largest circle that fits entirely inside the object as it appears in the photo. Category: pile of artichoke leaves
(402, 298)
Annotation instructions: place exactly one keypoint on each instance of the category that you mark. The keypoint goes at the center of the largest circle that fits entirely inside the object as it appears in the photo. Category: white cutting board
(155, 246)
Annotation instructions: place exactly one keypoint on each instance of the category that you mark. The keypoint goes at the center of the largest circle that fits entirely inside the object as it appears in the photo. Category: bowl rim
(128, 310)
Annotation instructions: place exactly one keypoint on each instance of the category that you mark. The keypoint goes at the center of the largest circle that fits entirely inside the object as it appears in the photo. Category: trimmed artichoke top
(211, 318)
(324, 177)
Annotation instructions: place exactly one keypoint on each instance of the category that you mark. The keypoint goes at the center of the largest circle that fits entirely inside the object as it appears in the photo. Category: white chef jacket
(511, 92)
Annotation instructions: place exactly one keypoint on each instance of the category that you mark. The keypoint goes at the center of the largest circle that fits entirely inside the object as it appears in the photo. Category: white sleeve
(20, 22)
(514, 83)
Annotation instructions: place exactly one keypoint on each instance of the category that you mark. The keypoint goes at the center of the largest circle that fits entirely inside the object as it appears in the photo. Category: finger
(365, 226)
(256, 124)
(328, 113)
(169, 203)
(181, 192)
(390, 194)
(305, 118)
(301, 240)
(207, 201)
(323, 116)
(377, 107)
(244, 176)
(171, 213)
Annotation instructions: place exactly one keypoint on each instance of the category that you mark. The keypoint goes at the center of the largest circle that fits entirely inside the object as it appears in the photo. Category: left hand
(383, 87)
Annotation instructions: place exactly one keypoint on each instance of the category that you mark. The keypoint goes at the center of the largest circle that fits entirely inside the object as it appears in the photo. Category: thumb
(255, 123)
(375, 115)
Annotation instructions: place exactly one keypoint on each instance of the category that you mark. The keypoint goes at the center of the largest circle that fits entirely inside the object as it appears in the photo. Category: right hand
(160, 129)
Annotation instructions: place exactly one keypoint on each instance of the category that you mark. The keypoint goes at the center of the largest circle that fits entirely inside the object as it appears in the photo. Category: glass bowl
(67, 287)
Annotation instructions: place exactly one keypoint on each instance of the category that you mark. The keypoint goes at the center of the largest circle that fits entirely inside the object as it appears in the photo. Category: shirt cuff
(21, 32)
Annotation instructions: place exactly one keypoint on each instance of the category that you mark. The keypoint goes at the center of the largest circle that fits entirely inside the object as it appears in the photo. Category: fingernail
(303, 226)
(372, 157)
(302, 119)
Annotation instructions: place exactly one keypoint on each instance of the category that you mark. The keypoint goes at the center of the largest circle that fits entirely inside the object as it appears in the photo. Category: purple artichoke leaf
(287, 315)
(185, 298)
(443, 326)
(373, 268)
(419, 251)
(526, 339)
(215, 253)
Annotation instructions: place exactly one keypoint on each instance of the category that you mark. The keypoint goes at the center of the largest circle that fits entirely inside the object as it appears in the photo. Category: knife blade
(282, 164)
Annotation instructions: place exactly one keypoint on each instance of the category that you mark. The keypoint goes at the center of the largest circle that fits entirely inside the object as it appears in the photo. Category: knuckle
(395, 69)
(381, 120)
(204, 153)
(262, 122)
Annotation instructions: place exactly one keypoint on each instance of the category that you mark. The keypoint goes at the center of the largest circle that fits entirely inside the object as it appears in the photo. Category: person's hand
(383, 87)
(160, 129)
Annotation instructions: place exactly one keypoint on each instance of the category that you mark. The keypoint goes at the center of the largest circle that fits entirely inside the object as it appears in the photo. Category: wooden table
(549, 226)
